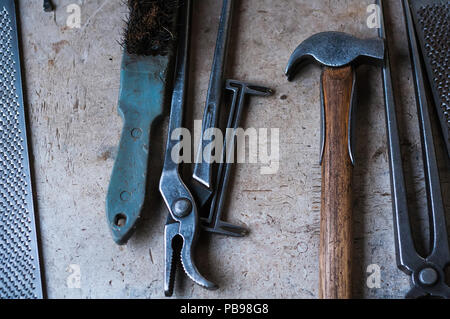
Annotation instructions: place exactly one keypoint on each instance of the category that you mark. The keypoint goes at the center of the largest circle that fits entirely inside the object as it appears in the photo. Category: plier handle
(182, 221)
(427, 273)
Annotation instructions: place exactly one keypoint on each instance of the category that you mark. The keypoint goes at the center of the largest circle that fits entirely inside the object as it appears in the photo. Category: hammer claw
(335, 49)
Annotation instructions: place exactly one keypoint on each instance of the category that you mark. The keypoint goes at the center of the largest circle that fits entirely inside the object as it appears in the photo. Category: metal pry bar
(402, 227)
(203, 173)
(182, 221)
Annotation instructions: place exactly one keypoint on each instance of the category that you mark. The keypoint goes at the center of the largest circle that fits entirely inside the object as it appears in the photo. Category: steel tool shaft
(210, 180)
(398, 188)
(433, 185)
(427, 273)
(203, 169)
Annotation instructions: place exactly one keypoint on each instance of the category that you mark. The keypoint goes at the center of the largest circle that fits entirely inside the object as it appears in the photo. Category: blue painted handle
(142, 90)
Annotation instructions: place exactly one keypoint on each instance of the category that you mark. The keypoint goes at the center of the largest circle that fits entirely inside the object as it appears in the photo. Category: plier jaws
(184, 231)
(182, 224)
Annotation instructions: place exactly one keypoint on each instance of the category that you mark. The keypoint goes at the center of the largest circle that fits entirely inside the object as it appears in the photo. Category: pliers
(182, 221)
(427, 273)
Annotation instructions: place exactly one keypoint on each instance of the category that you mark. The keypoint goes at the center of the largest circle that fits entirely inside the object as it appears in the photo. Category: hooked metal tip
(191, 270)
(172, 234)
(259, 90)
(250, 89)
(227, 229)
(335, 49)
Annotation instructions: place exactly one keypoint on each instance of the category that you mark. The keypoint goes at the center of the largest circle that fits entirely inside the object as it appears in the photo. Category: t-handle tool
(427, 273)
(337, 52)
(214, 223)
(182, 221)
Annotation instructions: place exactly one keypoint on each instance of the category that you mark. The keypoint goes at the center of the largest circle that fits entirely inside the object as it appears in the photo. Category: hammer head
(335, 49)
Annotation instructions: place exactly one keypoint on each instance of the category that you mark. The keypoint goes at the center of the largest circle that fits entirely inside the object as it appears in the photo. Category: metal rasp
(431, 20)
(20, 275)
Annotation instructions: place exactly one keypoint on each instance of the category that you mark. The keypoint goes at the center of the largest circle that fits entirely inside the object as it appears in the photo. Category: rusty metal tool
(213, 222)
(210, 180)
(430, 20)
(20, 275)
(427, 273)
(182, 221)
(338, 53)
(203, 168)
(398, 188)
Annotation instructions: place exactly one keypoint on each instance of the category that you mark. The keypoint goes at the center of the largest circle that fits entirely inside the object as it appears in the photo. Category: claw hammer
(338, 53)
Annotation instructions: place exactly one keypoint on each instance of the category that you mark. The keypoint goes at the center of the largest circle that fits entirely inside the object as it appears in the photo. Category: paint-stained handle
(126, 192)
(141, 98)
(336, 209)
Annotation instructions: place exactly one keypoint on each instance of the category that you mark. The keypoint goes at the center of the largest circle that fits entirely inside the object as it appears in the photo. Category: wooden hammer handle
(336, 209)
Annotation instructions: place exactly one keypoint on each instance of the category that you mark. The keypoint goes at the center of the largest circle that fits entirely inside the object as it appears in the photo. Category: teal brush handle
(142, 91)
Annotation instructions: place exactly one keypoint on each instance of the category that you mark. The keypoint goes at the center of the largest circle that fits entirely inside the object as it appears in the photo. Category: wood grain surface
(336, 209)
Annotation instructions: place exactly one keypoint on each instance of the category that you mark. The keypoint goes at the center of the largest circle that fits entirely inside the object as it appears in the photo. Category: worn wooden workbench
(72, 80)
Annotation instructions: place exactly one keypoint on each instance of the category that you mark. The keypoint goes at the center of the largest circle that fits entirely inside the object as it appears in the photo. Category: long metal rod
(432, 181)
(179, 94)
(203, 167)
(402, 227)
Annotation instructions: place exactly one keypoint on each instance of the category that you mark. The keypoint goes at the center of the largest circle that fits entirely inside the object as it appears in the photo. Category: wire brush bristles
(150, 26)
